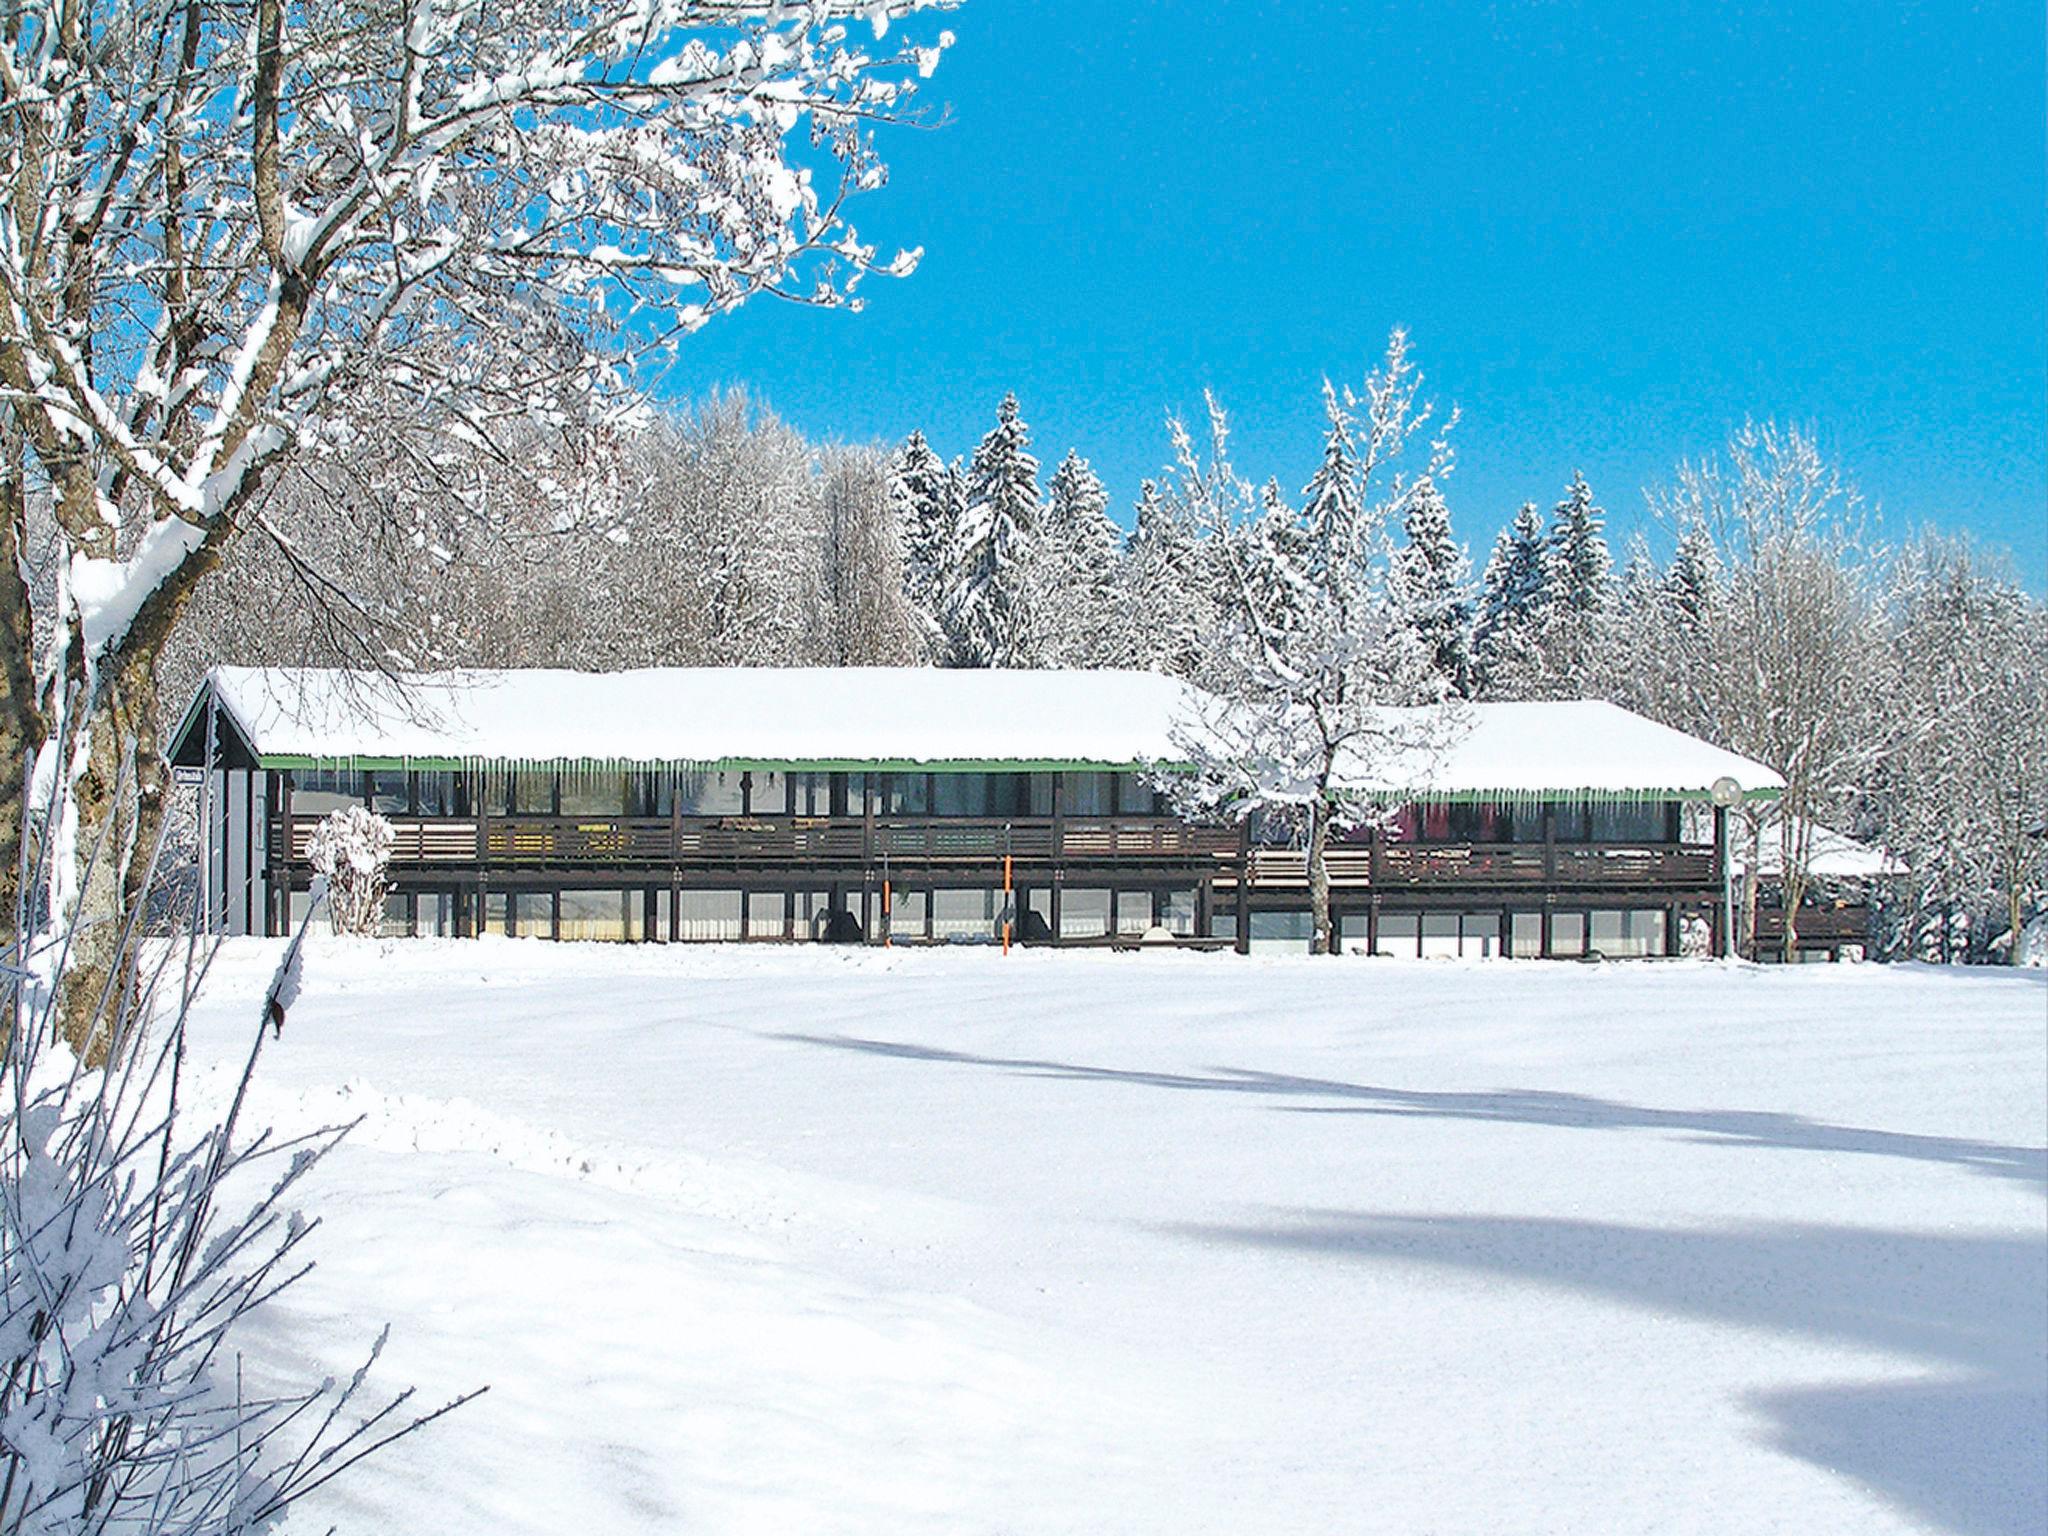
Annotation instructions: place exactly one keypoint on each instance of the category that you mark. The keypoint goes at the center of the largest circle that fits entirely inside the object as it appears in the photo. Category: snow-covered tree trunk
(1322, 929)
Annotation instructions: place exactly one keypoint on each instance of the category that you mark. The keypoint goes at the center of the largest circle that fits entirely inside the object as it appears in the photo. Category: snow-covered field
(810, 1240)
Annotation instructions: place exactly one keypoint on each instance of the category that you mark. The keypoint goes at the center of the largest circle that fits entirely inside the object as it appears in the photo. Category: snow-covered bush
(128, 1263)
(351, 848)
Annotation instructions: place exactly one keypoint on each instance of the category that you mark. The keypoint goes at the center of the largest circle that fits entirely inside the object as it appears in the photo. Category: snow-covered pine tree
(1431, 584)
(1169, 602)
(1582, 587)
(1692, 584)
(1514, 610)
(1078, 572)
(924, 496)
(989, 601)
(1330, 511)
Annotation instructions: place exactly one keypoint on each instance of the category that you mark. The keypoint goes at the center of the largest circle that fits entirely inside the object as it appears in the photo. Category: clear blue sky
(1612, 230)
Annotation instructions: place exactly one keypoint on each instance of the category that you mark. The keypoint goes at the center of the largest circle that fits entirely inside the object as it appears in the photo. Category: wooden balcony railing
(781, 840)
(1503, 866)
(1826, 925)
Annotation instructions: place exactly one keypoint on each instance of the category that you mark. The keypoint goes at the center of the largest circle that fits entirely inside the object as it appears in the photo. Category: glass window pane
(1625, 821)
(702, 792)
(1133, 795)
(435, 794)
(527, 792)
(1439, 935)
(1567, 933)
(594, 793)
(1571, 821)
(497, 912)
(603, 916)
(1084, 912)
(906, 795)
(1034, 921)
(709, 916)
(1180, 913)
(1090, 794)
(769, 794)
(1479, 935)
(1040, 791)
(389, 791)
(534, 912)
(767, 917)
(813, 792)
(396, 921)
(1525, 935)
(965, 914)
(960, 794)
(1133, 911)
(317, 791)
(1400, 934)
(909, 917)
(1280, 933)
(1525, 822)
(435, 914)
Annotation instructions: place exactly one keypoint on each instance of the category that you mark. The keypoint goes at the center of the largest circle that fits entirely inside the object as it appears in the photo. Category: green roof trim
(721, 765)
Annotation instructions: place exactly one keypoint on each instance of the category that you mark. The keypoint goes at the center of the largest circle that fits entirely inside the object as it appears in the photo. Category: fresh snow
(775, 1239)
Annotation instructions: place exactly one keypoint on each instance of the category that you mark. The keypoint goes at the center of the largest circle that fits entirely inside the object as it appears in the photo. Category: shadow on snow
(1757, 1128)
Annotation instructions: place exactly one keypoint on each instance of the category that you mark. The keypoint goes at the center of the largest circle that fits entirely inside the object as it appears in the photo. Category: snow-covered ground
(812, 1240)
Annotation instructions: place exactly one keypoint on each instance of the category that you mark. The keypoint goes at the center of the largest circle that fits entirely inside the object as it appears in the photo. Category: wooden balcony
(738, 842)
(1491, 866)
(1819, 927)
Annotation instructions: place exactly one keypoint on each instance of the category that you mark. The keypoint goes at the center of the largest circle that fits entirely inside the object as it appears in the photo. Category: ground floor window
(1525, 935)
(767, 915)
(617, 917)
(1280, 932)
(1623, 935)
(1084, 912)
(708, 916)
(1567, 934)
(959, 915)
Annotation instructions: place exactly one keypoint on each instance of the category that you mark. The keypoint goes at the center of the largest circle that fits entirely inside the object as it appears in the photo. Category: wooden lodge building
(922, 805)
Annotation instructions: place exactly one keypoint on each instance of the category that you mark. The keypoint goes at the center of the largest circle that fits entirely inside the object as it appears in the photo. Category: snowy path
(777, 1241)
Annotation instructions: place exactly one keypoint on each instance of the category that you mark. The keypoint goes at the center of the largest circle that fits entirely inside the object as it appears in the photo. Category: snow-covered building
(915, 805)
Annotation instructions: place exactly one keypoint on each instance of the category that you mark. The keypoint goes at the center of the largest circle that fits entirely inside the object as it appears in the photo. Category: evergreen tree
(1168, 602)
(924, 497)
(989, 603)
(1584, 570)
(1331, 513)
(1691, 587)
(1514, 608)
(1432, 582)
(1077, 586)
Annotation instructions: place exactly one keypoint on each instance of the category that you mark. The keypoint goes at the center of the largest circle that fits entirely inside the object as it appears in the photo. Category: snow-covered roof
(1565, 747)
(1831, 855)
(866, 717)
(801, 716)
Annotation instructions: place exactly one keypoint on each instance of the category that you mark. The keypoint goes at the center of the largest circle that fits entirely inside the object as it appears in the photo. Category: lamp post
(1727, 794)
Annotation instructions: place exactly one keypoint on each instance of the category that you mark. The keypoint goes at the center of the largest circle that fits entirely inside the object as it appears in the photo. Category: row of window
(1527, 821)
(917, 915)
(710, 792)
(1616, 933)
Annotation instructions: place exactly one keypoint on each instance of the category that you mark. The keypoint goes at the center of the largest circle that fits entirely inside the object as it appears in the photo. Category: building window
(1038, 793)
(1567, 934)
(909, 916)
(708, 916)
(434, 794)
(1631, 821)
(1479, 935)
(603, 916)
(1091, 794)
(1400, 934)
(811, 794)
(906, 794)
(521, 792)
(1084, 912)
(767, 915)
(1525, 935)
(767, 793)
(1624, 935)
(1281, 932)
(702, 792)
(1134, 795)
(434, 914)
(960, 794)
(1440, 935)
(317, 791)
(593, 792)
(533, 914)
(1133, 911)
(1179, 913)
(970, 914)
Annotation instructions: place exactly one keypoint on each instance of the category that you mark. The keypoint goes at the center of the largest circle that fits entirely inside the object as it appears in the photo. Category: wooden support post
(1543, 937)
(1372, 919)
(1244, 886)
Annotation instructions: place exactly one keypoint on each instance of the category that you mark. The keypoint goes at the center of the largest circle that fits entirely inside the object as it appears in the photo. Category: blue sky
(1611, 229)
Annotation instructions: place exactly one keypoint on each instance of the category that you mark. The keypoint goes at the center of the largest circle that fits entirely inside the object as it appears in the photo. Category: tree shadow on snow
(1965, 1446)
(1757, 1128)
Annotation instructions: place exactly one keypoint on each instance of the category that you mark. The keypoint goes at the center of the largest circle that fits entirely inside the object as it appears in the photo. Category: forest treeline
(1901, 689)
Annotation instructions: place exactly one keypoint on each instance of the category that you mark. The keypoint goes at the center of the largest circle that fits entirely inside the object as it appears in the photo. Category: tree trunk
(121, 799)
(2013, 905)
(1322, 938)
(1750, 886)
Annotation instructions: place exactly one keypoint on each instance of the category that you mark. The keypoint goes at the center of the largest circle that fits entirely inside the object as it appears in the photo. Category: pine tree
(1432, 582)
(1077, 586)
(924, 496)
(1168, 602)
(1691, 588)
(1331, 514)
(989, 603)
(1584, 577)
(1514, 609)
